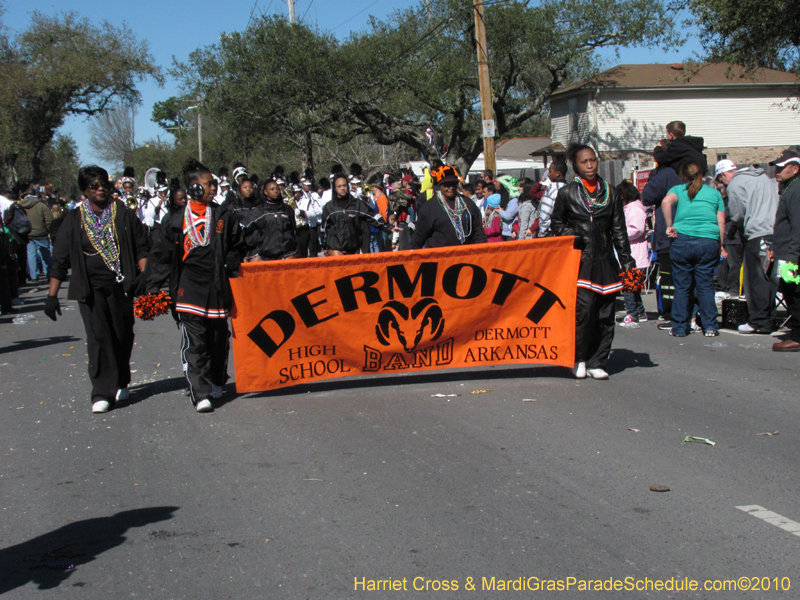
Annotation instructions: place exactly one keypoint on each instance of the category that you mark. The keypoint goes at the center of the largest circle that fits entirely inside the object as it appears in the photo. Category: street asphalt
(328, 490)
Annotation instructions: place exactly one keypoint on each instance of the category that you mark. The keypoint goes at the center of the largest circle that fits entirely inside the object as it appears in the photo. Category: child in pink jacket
(492, 224)
(636, 219)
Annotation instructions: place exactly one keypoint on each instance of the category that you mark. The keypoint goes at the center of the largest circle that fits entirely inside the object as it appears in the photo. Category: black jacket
(433, 228)
(786, 235)
(661, 181)
(681, 151)
(269, 230)
(345, 223)
(601, 232)
(165, 262)
(68, 251)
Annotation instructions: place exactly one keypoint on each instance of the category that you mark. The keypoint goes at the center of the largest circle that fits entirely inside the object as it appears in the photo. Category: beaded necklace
(102, 234)
(589, 202)
(791, 183)
(190, 227)
(455, 214)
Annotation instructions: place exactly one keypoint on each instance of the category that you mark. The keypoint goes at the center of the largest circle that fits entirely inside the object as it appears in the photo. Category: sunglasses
(95, 186)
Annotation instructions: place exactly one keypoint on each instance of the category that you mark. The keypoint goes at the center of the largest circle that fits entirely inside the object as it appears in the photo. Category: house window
(573, 114)
(723, 156)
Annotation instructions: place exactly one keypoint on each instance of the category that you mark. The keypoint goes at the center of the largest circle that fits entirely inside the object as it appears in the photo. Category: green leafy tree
(413, 70)
(71, 66)
(171, 115)
(274, 79)
(750, 32)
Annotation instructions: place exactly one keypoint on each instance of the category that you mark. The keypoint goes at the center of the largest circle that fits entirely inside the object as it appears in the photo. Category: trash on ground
(529, 399)
(750, 346)
(659, 488)
(443, 395)
(22, 319)
(481, 391)
(716, 345)
(701, 440)
(769, 433)
(633, 430)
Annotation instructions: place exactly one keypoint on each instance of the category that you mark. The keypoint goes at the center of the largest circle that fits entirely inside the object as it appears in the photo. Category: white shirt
(4, 204)
(149, 211)
(311, 204)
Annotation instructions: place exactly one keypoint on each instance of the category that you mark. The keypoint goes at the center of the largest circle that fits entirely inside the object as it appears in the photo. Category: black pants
(730, 270)
(791, 296)
(303, 237)
(759, 287)
(108, 319)
(666, 289)
(204, 353)
(594, 328)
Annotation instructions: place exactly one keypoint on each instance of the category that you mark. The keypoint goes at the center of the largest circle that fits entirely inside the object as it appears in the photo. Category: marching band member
(201, 245)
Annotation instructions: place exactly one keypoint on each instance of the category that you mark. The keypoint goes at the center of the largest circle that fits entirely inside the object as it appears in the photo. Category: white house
(623, 111)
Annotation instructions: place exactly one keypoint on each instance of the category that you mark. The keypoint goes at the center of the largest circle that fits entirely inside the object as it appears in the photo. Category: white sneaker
(696, 327)
(746, 328)
(123, 394)
(580, 371)
(204, 406)
(597, 373)
(16, 302)
(216, 391)
(101, 406)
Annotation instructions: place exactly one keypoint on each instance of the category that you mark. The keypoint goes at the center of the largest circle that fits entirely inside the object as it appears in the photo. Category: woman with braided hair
(591, 210)
(105, 246)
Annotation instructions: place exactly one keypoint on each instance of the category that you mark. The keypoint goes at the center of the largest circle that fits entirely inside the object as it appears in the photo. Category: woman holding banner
(448, 219)
(591, 210)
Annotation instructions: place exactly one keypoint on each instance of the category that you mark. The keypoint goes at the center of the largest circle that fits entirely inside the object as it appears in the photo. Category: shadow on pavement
(29, 344)
(623, 358)
(462, 375)
(45, 560)
(144, 391)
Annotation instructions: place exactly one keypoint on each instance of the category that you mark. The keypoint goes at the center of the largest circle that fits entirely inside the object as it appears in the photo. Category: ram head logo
(410, 325)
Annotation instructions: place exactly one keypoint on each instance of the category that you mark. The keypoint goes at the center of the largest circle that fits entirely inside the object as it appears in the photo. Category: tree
(60, 165)
(72, 67)
(750, 32)
(411, 72)
(170, 115)
(113, 136)
(273, 79)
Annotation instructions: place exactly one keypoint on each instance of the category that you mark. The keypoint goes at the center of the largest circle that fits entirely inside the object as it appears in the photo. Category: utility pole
(487, 114)
(291, 11)
(199, 135)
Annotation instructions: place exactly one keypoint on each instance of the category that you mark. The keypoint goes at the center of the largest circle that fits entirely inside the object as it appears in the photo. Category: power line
(355, 15)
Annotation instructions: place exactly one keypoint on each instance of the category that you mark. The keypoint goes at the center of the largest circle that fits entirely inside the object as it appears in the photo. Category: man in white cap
(753, 200)
(786, 243)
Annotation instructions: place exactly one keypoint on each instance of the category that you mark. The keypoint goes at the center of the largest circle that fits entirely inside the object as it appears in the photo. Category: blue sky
(177, 27)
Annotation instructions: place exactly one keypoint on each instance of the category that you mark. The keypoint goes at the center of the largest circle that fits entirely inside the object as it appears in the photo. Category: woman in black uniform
(591, 209)
(448, 218)
(104, 244)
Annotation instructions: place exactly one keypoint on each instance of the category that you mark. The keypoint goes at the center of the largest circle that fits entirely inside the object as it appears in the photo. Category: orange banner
(306, 320)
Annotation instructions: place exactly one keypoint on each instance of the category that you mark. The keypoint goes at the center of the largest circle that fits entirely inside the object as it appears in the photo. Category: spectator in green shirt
(698, 232)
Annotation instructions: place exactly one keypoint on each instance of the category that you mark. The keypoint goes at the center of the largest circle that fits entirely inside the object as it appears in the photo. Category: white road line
(772, 518)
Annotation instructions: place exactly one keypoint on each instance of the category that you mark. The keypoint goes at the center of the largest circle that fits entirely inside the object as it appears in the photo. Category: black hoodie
(681, 151)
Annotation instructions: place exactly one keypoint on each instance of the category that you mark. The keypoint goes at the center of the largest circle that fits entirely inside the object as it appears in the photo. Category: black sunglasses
(95, 186)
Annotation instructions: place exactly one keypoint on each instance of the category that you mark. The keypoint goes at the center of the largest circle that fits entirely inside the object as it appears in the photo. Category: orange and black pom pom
(150, 306)
(633, 280)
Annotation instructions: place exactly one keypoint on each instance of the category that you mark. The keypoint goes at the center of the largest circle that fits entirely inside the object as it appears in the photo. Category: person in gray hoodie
(41, 217)
(753, 201)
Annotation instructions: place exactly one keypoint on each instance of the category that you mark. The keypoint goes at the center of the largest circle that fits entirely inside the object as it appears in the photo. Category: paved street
(301, 493)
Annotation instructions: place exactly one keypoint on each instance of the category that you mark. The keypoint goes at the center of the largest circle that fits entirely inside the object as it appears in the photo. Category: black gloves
(232, 262)
(51, 307)
(139, 285)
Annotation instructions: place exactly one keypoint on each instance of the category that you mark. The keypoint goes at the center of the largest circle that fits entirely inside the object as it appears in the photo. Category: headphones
(196, 191)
